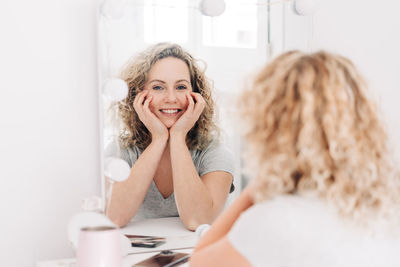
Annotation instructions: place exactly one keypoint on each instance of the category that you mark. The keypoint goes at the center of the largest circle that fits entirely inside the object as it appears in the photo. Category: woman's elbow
(192, 223)
(119, 221)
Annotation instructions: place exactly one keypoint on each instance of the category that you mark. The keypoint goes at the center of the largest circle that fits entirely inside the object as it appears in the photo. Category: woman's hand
(152, 123)
(196, 106)
(226, 220)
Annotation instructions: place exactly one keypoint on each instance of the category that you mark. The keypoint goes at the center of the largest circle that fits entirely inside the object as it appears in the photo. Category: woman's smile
(170, 112)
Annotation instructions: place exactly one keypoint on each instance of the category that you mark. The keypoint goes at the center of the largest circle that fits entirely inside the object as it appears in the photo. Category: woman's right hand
(141, 104)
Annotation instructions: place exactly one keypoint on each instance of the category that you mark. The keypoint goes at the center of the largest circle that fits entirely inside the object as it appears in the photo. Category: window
(166, 21)
(236, 27)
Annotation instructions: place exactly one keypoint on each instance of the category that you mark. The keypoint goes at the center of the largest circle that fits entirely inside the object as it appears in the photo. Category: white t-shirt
(291, 231)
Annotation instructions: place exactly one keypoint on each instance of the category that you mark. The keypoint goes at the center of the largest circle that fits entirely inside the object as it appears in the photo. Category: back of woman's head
(314, 131)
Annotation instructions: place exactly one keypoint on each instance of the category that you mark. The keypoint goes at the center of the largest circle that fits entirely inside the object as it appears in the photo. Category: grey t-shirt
(216, 157)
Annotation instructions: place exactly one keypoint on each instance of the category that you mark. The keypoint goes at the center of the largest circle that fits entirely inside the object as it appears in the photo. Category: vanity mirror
(232, 39)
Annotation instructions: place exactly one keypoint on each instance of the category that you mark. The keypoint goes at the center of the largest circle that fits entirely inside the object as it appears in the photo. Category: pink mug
(99, 246)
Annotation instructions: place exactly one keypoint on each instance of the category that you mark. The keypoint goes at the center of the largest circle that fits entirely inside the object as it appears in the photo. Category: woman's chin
(169, 124)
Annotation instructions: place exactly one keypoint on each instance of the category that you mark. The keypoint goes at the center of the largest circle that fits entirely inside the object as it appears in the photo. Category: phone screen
(165, 258)
(145, 241)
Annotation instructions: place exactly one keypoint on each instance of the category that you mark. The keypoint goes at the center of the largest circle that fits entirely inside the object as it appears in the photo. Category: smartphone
(165, 258)
(145, 241)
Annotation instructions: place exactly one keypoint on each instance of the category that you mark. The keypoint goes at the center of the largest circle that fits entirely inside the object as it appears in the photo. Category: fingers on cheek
(198, 98)
(200, 103)
(188, 99)
(144, 99)
(201, 100)
(138, 98)
(143, 96)
(192, 99)
(147, 102)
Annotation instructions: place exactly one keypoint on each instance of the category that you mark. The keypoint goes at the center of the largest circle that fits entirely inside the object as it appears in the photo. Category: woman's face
(169, 83)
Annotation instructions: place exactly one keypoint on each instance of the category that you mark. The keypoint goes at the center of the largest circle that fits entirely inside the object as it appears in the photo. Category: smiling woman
(170, 140)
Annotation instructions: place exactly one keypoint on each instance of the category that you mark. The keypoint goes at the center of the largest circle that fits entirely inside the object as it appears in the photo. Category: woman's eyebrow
(155, 80)
(182, 80)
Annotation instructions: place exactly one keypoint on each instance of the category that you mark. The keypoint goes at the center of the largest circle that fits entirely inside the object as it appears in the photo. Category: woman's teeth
(170, 111)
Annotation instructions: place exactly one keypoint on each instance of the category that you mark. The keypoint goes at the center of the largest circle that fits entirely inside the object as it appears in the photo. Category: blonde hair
(313, 131)
(135, 72)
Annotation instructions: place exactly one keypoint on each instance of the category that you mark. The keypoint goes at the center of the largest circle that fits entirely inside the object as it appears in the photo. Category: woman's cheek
(186, 100)
(152, 105)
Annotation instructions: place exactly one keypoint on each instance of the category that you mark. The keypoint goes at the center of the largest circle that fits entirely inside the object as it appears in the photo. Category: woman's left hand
(196, 106)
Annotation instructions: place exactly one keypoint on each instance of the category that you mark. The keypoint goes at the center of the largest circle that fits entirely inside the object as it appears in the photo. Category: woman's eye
(181, 87)
(157, 87)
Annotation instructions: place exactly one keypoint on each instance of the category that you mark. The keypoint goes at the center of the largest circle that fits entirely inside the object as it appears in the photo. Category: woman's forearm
(194, 201)
(127, 196)
(226, 220)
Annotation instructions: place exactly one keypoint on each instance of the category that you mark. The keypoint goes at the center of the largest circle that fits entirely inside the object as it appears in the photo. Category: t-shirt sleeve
(128, 154)
(216, 157)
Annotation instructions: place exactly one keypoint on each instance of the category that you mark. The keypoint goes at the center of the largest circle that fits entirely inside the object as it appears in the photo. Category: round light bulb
(116, 169)
(115, 89)
(305, 7)
(212, 8)
(93, 203)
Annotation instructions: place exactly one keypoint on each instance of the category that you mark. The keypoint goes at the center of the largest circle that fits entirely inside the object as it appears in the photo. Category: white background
(49, 138)
(49, 124)
(368, 33)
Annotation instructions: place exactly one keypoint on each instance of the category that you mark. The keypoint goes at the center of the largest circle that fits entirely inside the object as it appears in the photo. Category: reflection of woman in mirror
(325, 192)
(178, 168)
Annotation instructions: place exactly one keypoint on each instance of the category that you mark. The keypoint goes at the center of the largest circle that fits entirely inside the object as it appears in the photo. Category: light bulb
(305, 7)
(212, 8)
(93, 203)
(115, 89)
(116, 169)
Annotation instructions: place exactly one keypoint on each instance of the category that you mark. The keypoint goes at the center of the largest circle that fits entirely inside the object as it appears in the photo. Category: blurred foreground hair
(313, 131)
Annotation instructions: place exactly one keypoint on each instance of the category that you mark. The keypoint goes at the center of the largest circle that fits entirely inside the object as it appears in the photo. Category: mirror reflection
(170, 141)
(170, 78)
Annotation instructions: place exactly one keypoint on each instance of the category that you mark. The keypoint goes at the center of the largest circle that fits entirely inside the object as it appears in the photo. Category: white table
(177, 236)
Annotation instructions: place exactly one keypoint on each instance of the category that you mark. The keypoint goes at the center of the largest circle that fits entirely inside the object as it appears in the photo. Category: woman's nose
(171, 96)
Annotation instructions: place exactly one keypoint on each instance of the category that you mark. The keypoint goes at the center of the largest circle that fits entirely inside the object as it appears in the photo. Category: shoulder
(286, 212)
(216, 149)
(215, 157)
(293, 229)
(282, 226)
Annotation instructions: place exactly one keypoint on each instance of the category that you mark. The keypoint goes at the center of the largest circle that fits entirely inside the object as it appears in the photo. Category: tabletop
(178, 239)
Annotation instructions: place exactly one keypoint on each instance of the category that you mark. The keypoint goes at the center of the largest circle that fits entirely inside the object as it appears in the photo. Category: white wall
(49, 124)
(367, 32)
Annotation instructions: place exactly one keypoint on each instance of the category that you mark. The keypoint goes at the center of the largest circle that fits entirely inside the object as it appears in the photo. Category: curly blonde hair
(313, 131)
(135, 73)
